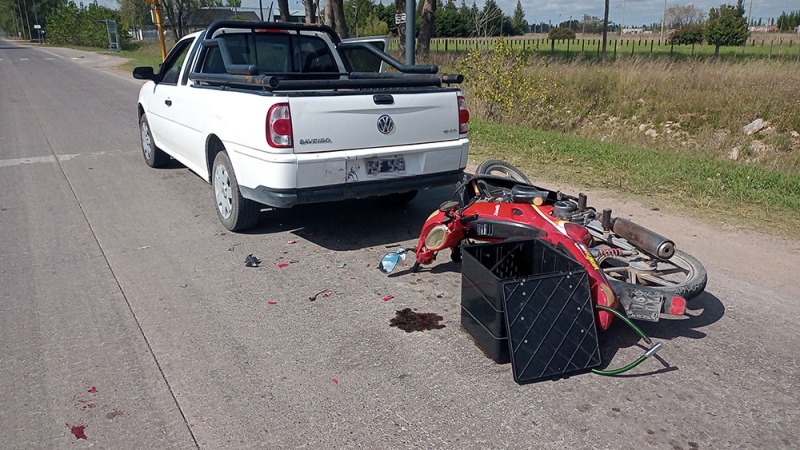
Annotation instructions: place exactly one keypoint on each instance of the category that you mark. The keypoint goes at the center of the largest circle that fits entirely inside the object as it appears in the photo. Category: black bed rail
(273, 83)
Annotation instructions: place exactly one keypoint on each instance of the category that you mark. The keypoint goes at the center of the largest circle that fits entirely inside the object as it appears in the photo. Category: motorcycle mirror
(391, 260)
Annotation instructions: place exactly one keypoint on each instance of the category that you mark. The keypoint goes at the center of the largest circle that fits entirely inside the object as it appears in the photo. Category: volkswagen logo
(385, 124)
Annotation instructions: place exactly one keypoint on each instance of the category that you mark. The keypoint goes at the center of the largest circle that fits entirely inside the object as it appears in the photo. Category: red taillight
(463, 116)
(578, 233)
(279, 126)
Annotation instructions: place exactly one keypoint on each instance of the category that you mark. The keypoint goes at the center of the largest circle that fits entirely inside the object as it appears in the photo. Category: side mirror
(144, 73)
(391, 260)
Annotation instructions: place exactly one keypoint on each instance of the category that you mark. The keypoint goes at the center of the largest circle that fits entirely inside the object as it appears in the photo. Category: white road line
(43, 159)
(23, 59)
(54, 54)
(49, 59)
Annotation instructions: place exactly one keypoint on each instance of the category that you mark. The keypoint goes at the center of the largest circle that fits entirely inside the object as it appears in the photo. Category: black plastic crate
(529, 303)
(551, 328)
(485, 268)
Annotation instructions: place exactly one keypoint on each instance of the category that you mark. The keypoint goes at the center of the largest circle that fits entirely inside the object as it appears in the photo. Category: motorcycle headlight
(436, 238)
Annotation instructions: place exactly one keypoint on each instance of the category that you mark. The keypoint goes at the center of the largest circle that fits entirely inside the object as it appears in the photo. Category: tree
(561, 33)
(426, 27)
(448, 22)
(518, 22)
(678, 16)
(134, 13)
(489, 22)
(788, 22)
(692, 33)
(726, 26)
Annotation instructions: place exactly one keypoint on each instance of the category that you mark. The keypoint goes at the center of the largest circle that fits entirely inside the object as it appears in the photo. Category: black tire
(234, 211)
(153, 156)
(501, 168)
(693, 285)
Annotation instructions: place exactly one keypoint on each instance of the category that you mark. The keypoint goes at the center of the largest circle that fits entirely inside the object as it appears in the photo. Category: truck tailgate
(323, 123)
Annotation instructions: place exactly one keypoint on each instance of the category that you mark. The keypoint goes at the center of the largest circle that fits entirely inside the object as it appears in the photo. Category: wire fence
(787, 49)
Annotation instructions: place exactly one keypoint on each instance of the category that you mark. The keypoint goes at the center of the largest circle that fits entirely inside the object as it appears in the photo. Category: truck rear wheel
(234, 211)
(153, 156)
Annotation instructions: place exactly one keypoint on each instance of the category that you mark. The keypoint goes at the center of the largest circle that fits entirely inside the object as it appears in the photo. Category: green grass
(755, 197)
(619, 48)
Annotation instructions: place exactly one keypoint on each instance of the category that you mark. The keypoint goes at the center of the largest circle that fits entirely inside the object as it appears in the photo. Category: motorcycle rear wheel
(681, 275)
(500, 168)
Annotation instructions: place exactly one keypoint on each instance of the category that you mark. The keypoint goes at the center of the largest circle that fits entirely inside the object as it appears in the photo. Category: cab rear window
(273, 53)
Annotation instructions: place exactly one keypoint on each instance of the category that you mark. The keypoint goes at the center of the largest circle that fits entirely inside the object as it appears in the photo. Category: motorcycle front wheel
(681, 275)
(501, 168)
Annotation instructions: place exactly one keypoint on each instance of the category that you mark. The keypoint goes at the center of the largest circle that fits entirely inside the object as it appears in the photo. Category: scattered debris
(293, 241)
(282, 265)
(79, 431)
(92, 390)
(341, 265)
(388, 297)
(408, 321)
(251, 261)
(754, 127)
(185, 285)
(82, 403)
(115, 413)
(655, 209)
(324, 293)
(144, 247)
(334, 381)
(272, 302)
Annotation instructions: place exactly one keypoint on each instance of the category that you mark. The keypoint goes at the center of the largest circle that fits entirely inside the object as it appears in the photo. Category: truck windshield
(273, 53)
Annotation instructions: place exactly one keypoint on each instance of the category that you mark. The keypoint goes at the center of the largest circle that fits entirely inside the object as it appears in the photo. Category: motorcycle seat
(527, 194)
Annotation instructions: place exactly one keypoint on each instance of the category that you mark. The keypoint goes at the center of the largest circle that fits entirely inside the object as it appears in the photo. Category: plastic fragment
(292, 241)
(335, 381)
(92, 390)
(251, 261)
(77, 430)
(324, 293)
(272, 302)
(388, 297)
(341, 265)
(282, 265)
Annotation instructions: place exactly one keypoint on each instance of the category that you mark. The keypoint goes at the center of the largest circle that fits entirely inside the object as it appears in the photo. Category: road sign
(37, 27)
(400, 18)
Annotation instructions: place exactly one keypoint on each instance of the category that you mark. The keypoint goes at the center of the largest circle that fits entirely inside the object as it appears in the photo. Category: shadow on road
(354, 224)
(702, 311)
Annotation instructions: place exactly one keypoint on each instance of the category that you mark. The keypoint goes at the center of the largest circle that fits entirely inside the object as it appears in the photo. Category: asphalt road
(126, 309)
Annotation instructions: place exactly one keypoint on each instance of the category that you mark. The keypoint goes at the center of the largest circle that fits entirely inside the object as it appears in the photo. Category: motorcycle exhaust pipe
(641, 237)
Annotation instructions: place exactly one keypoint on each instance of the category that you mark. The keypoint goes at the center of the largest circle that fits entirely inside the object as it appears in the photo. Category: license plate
(378, 166)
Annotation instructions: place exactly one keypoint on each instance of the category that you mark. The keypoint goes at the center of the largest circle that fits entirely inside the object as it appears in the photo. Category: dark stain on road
(408, 321)
(77, 430)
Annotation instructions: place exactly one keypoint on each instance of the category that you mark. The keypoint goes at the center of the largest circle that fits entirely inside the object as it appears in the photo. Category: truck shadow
(355, 224)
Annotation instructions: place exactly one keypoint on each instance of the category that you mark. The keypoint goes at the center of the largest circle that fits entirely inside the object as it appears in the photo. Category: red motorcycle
(627, 264)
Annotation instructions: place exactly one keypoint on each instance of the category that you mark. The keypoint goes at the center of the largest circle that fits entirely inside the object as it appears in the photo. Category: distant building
(632, 31)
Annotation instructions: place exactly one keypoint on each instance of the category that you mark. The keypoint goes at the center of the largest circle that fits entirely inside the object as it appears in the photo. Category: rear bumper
(286, 198)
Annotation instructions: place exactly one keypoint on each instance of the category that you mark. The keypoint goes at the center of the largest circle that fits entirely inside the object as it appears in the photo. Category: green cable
(650, 351)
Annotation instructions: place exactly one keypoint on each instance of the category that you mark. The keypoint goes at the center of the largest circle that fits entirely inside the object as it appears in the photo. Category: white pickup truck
(281, 114)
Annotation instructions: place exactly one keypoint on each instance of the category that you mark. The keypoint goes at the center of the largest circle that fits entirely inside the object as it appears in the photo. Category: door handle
(168, 102)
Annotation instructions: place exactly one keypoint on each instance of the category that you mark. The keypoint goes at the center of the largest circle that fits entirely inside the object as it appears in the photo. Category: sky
(629, 13)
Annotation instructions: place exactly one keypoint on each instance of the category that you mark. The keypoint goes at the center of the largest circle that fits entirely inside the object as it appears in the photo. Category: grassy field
(783, 47)
(591, 130)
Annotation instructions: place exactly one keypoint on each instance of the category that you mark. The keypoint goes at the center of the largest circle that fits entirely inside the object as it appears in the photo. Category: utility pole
(664, 20)
(411, 14)
(155, 6)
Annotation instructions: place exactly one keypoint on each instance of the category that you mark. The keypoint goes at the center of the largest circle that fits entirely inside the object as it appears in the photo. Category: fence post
(615, 49)
(633, 45)
(692, 48)
(671, 48)
(770, 49)
(568, 47)
(583, 45)
(552, 45)
(651, 47)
